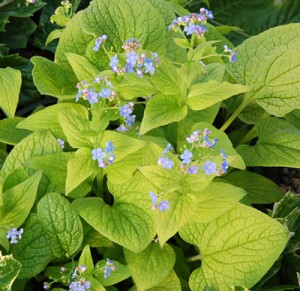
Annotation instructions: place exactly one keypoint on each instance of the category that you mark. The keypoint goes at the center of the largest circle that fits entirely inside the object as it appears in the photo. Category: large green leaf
(278, 145)
(260, 190)
(34, 250)
(276, 86)
(151, 266)
(129, 222)
(9, 131)
(18, 201)
(9, 270)
(60, 220)
(10, 85)
(162, 110)
(59, 83)
(204, 95)
(237, 248)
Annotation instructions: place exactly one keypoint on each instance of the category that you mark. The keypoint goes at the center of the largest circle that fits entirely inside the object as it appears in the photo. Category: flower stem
(194, 258)
(235, 114)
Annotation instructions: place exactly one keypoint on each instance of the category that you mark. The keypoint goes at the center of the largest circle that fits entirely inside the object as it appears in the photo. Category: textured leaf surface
(18, 201)
(129, 222)
(276, 86)
(237, 248)
(260, 190)
(162, 110)
(278, 145)
(61, 221)
(151, 266)
(36, 144)
(33, 251)
(57, 83)
(9, 270)
(205, 95)
(215, 200)
(10, 85)
(9, 133)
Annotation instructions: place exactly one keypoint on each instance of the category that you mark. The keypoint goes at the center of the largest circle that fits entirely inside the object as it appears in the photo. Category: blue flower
(193, 170)
(232, 57)
(194, 137)
(149, 67)
(130, 120)
(98, 154)
(189, 29)
(168, 148)
(132, 58)
(164, 205)
(209, 143)
(99, 40)
(122, 128)
(166, 163)
(223, 154)
(224, 166)
(14, 235)
(154, 198)
(125, 111)
(92, 96)
(61, 143)
(80, 285)
(113, 63)
(186, 157)
(109, 147)
(105, 93)
(108, 268)
(209, 168)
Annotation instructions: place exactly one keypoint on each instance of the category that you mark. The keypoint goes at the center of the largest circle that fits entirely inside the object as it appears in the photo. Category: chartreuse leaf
(3, 239)
(47, 119)
(9, 270)
(120, 273)
(170, 283)
(278, 145)
(151, 266)
(132, 86)
(9, 133)
(276, 85)
(74, 121)
(18, 201)
(204, 95)
(129, 222)
(247, 241)
(82, 68)
(54, 166)
(260, 190)
(79, 168)
(58, 83)
(61, 221)
(86, 260)
(34, 250)
(37, 144)
(215, 200)
(162, 110)
(10, 85)
(123, 223)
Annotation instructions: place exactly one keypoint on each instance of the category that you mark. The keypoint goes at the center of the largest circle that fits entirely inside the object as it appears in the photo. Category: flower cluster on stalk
(163, 205)
(99, 40)
(127, 116)
(100, 88)
(136, 62)
(104, 157)
(108, 268)
(193, 23)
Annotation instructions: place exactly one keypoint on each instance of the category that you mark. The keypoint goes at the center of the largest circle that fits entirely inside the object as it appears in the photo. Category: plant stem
(194, 258)
(249, 136)
(235, 114)
(191, 49)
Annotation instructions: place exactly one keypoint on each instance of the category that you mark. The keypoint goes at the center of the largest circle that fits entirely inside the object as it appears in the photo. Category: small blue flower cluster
(105, 157)
(99, 40)
(61, 143)
(139, 63)
(14, 235)
(126, 113)
(108, 268)
(232, 54)
(164, 161)
(195, 22)
(201, 139)
(87, 91)
(131, 45)
(163, 205)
